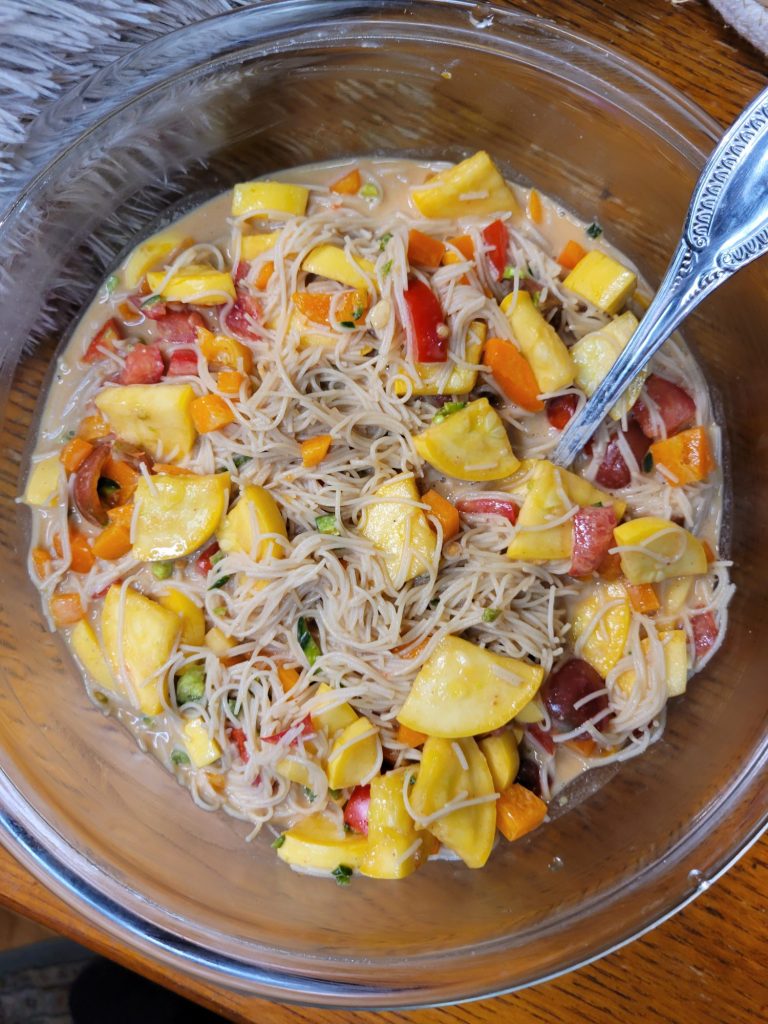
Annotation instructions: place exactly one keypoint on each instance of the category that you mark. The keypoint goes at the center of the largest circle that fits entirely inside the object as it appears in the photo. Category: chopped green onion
(328, 524)
(383, 241)
(594, 230)
(221, 610)
(491, 614)
(307, 642)
(161, 570)
(222, 581)
(151, 301)
(648, 462)
(190, 685)
(111, 283)
(597, 504)
(434, 603)
(357, 312)
(349, 324)
(386, 268)
(240, 460)
(369, 191)
(179, 757)
(310, 794)
(216, 557)
(232, 705)
(278, 841)
(334, 794)
(509, 273)
(447, 410)
(342, 874)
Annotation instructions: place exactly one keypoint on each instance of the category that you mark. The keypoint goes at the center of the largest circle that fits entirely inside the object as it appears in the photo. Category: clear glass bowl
(288, 83)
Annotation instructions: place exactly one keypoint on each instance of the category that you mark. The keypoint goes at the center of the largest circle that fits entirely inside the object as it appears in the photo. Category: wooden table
(706, 965)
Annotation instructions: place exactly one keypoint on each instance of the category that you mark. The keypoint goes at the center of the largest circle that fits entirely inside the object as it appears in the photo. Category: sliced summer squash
(155, 417)
(606, 639)
(255, 513)
(470, 444)
(319, 842)
(394, 527)
(548, 356)
(178, 514)
(602, 280)
(469, 189)
(595, 353)
(262, 198)
(148, 254)
(656, 549)
(198, 283)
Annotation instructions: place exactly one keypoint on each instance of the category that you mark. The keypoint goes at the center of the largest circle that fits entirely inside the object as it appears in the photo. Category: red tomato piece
(568, 686)
(238, 737)
(675, 407)
(427, 330)
(705, 632)
(180, 328)
(241, 271)
(103, 340)
(204, 563)
(183, 363)
(240, 319)
(356, 811)
(489, 507)
(561, 409)
(592, 537)
(614, 471)
(543, 738)
(143, 365)
(496, 237)
(307, 729)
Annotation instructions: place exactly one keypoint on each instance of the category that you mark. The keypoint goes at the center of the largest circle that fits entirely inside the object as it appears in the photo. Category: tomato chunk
(240, 319)
(427, 331)
(356, 811)
(307, 729)
(675, 407)
(592, 537)
(240, 740)
(570, 685)
(560, 410)
(490, 507)
(705, 632)
(496, 237)
(183, 363)
(180, 328)
(614, 471)
(143, 365)
(103, 341)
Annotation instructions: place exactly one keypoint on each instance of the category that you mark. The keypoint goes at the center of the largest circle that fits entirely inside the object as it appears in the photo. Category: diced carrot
(169, 469)
(66, 609)
(209, 413)
(445, 513)
(287, 676)
(122, 515)
(535, 210)
(113, 542)
(408, 651)
(92, 428)
(82, 557)
(124, 475)
(74, 453)
(423, 250)
(217, 781)
(41, 559)
(610, 567)
(519, 811)
(351, 307)
(513, 374)
(314, 449)
(642, 597)
(410, 737)
(711, 556)
(266, 270)
(464, 244)
(129, 314)
(584, 745)
(230, 381)
(687, 456)
(349, 185)
(570, 254)
(224, 351)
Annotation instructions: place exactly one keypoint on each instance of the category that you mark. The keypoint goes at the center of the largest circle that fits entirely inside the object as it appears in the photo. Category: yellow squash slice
(178, 514)
(604, 616)
(254, 514)
(657, 549)
(539, 342)
(155, 417)
(471, 444)
(396, 527)
(468, 189)
(602, 280)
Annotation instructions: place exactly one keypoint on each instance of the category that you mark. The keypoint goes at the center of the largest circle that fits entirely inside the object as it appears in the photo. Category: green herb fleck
(151, 301)
(334, 794)
(221, 610)
(328, 524)
(342, 874)
(216, 557)
(357, 312)
(597, 504)
(412, 780)
(278, 841)
(348, 324)
(384, 240)
(68, 437)
(594, 230)
(307, 642)
(386, 268)
(348, 829)
(648, 462)
(310, 794)
(161, 570)
(491, 614)
(179, 757)
(190, 685)
(111, 283)
(240, 460)
(369, 191)
(222, 581)
(448, 410)
(232, 705)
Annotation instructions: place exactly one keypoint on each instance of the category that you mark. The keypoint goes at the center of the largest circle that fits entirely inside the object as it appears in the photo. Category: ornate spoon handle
(726, 228)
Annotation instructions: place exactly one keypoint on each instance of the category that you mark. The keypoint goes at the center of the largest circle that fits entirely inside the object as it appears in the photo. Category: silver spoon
(726, 228)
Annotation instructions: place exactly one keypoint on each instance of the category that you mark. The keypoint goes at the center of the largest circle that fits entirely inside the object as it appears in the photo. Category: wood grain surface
(707, 964)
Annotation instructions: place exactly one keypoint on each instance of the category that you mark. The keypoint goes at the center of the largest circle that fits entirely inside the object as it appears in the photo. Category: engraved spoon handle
(726, 228)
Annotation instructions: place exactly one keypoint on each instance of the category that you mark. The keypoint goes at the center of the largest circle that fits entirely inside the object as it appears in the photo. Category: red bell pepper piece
(307, 729)
(427, 330)
(183, 363)
(489, 507)
(496, 237)
(103, 340)
(704, 629)
(204, 563)
(238, 737)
